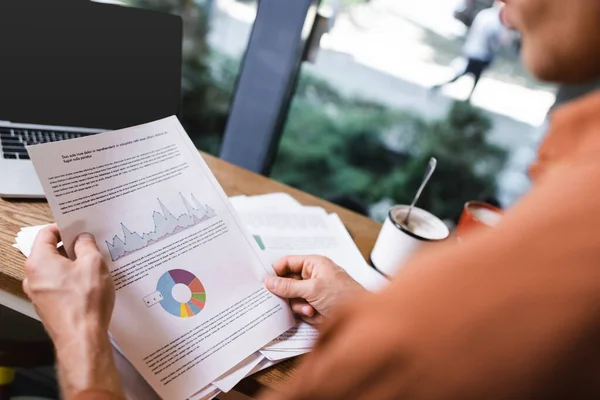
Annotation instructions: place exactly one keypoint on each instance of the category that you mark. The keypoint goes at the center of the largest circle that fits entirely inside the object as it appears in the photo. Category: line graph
(165, 224)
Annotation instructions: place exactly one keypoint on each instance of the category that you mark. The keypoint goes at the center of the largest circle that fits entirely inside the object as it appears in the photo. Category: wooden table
(15, 214)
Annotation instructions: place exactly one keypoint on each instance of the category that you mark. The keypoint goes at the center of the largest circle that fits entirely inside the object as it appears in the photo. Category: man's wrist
(85, 361)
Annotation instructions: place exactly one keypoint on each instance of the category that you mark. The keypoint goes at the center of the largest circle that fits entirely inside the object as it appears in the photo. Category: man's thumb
(84, 244)
(289, 288)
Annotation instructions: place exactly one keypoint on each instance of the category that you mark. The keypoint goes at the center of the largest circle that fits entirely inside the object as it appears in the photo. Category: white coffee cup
(396, 243)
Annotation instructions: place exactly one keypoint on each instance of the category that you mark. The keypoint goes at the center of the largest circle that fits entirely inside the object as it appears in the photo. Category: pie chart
(183, 293)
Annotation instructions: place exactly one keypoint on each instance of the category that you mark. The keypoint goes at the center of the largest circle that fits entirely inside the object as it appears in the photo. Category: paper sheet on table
(160, 216)
(264, 364)
(310, 231)
(280, 355)
(307, 231)
(208, 393)
(271, 201)
(300, 337)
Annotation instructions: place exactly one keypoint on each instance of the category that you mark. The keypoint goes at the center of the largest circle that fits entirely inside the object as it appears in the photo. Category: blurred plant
(467, 163)
(373, 153)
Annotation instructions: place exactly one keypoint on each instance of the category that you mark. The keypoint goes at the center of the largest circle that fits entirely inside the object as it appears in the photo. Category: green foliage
(374, 153)
(467, 164)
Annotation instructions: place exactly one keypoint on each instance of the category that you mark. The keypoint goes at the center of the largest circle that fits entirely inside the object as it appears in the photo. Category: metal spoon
(428, 172)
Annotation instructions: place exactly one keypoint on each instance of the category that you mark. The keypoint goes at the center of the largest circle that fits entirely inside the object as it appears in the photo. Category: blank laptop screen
(84, 64)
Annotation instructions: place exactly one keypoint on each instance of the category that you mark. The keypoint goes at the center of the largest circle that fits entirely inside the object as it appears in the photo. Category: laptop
(74, 68)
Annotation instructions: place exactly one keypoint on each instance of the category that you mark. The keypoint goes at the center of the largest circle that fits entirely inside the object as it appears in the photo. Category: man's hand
(315, 285)
(74, 300)
(71, 297)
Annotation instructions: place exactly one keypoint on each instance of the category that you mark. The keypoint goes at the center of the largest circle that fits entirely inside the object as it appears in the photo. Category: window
(367, 116)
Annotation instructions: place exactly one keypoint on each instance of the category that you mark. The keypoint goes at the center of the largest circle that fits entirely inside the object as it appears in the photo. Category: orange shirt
(574, 136)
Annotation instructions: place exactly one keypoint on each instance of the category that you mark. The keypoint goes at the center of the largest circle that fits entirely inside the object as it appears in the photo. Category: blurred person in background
(484, 39)
(514, 313)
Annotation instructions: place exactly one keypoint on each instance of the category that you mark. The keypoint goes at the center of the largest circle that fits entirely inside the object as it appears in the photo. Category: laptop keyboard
(13, 141)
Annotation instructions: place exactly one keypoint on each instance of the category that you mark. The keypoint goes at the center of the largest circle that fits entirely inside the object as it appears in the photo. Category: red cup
(476, 216)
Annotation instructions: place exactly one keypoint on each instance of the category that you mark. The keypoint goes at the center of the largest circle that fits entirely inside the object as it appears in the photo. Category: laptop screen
(84, 64)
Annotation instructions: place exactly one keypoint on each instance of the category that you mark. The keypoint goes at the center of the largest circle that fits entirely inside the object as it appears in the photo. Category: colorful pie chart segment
(165, 285)
(199, 304)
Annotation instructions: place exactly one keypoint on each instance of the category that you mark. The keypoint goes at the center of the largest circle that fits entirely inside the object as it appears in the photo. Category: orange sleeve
(96, 394)
(523, 298)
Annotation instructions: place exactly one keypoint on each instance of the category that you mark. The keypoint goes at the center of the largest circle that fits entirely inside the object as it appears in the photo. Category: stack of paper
(280, 226)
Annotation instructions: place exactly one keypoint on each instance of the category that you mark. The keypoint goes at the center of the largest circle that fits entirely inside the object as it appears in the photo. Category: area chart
(165, 224)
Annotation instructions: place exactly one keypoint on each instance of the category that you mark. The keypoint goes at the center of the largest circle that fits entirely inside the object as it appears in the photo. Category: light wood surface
(15, 214)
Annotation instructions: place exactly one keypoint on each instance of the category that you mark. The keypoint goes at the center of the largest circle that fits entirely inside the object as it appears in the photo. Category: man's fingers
(301, 307)
(26, 287)
(289, 265)
(302, 265)
(85, 244)
(46, 240)
(306, 312)
(290, 288)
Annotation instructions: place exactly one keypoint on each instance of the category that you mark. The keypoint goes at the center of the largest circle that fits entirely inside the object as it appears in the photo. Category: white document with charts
(190, 298)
